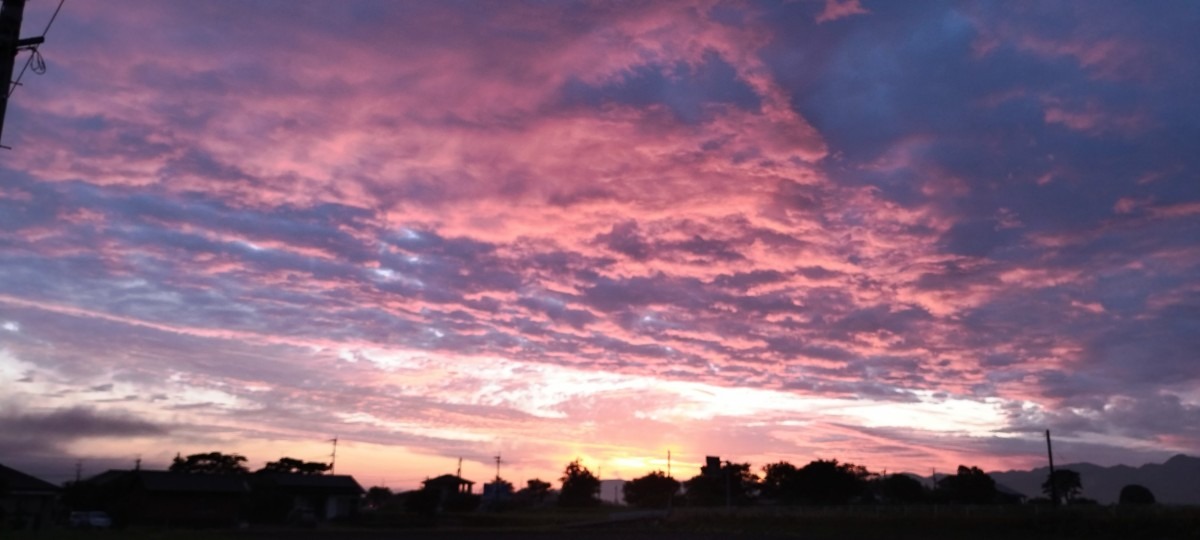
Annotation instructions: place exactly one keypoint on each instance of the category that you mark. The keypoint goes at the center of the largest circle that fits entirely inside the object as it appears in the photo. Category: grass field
(818, 524)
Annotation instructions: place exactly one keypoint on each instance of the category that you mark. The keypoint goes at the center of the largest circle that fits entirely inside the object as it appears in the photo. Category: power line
(39, 64)
(11, 43)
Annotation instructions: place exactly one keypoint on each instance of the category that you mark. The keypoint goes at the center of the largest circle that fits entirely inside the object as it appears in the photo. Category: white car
(93, 519)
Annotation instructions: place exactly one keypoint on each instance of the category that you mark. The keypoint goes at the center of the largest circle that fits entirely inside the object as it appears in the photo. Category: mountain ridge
(1175, 481)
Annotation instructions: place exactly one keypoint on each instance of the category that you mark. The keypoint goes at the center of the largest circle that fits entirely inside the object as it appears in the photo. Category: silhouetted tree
(1136, 494)
(970, 486)
(537, 489)
(579, 486)
(377, 496)
(1065, 483)
(731, 480)
(827, 482)
(210, 463)
(533, 494)
(902, 489)
(780, 482)
(295, 466)
(654, 490)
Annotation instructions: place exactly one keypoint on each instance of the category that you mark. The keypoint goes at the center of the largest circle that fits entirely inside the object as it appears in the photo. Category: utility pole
(333, 456)
(728, 488)
(1053, 484)
(671, 497)
(496, 482)
(11, 14)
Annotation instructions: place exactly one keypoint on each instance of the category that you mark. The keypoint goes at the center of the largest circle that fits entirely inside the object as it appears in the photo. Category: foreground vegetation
(844, 522)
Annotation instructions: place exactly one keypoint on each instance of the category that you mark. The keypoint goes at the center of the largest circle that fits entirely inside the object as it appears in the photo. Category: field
(817, 524)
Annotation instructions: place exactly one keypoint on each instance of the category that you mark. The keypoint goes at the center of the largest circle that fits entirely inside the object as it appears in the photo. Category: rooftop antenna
(333, 456)
(496, 483)
(458, 472)
(11, 13)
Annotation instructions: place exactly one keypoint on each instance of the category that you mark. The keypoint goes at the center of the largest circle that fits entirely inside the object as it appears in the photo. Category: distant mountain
(1175, 482)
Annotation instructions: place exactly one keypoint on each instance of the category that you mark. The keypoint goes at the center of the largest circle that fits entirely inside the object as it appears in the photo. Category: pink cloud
(290, 198)
(1091, 118)
(840, 9)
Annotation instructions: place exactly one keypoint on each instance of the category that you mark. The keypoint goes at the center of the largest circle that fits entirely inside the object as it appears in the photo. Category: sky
(909, 235)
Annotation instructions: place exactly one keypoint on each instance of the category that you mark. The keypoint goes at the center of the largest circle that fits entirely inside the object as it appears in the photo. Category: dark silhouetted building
(305, 497)
(26, 503)
(173, 499)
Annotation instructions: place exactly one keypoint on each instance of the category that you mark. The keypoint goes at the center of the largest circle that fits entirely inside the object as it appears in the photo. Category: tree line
(219, 463)
(820, 482)
(824, 483)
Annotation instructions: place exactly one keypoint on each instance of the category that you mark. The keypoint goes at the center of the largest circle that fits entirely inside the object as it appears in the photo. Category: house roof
(448, 479)
(328, 483)
(108, 476)
(18, 482)
(207, 483)
(176, 482)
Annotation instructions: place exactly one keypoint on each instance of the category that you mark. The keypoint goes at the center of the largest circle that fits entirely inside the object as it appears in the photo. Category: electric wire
(35, 58)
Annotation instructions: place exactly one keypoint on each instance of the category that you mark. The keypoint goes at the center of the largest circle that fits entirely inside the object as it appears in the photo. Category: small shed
(450, 489)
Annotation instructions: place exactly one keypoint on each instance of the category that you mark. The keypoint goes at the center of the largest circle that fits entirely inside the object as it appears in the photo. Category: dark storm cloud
(77, 422)
(37, 441)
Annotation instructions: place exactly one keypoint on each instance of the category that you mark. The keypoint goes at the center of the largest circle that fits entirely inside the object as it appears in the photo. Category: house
(26, 503)
(497, 495)
(497, 491)
(280, 496)
(453, 492)
(449, 484)
(172, 499)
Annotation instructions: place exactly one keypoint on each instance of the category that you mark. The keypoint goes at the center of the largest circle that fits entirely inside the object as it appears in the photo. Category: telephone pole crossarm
(11, 13)
(11, 43)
